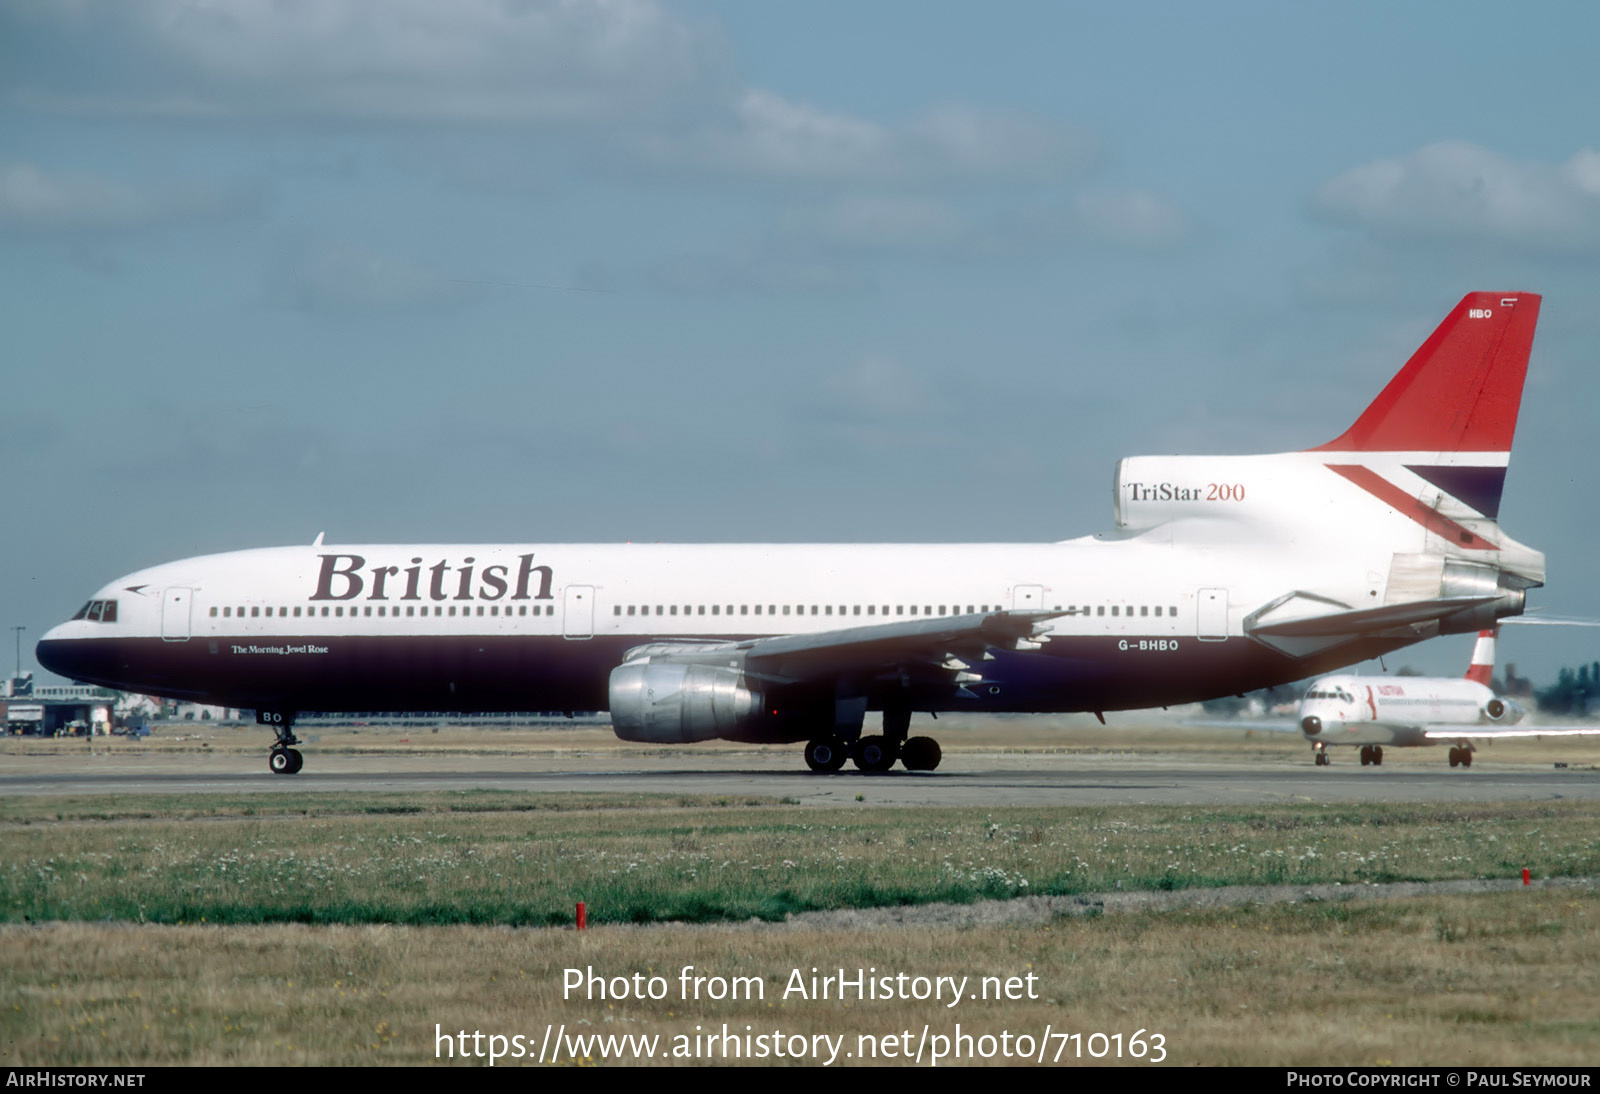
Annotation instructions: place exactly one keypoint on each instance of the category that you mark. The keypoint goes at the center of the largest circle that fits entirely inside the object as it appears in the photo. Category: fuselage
(540, 627)
(1397, 710)
(1223, 574)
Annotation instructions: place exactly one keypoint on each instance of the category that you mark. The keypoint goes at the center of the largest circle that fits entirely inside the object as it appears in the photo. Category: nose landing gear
(284, 759)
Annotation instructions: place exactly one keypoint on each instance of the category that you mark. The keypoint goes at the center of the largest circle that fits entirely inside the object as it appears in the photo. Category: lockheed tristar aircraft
(1222, 574)
(1407, 711)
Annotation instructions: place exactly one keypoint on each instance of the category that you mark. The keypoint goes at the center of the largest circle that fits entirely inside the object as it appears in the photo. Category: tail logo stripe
(1413, 508)
(1479, 487)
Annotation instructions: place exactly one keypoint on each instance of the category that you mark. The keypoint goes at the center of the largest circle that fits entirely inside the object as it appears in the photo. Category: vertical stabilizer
(1482, 668)
(1460, 392)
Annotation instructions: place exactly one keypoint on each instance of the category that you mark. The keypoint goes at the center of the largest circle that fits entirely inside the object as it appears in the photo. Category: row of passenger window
(366, 610)
(871, 609)
(786, 609)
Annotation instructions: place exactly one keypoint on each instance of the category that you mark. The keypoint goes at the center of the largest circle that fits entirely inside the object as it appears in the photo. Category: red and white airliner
(1221, 574)
(1408, 711)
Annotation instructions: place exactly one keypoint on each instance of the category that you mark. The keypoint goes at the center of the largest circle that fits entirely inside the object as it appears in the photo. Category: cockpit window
(98, 611)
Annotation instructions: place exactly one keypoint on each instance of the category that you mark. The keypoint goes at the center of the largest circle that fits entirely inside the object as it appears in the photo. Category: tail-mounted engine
(1502, 711)
(677, 694)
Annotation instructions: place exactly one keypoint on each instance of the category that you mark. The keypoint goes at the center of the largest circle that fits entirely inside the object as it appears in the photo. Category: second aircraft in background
(1409, 711)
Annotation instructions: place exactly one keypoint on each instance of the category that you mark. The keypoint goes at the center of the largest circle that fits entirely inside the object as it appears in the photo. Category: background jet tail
(1481, 670)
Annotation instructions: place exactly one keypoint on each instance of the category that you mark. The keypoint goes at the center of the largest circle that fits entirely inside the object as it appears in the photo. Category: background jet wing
(1456, 733)
(1271, 725)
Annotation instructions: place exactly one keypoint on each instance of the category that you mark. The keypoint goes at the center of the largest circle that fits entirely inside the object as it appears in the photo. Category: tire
(921, 754)
(825, 755)
(296, 761)
(874, 755)
(280, 762)
(1377, 755)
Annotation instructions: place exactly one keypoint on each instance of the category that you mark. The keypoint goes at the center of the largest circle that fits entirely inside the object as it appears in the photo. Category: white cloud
(346, 277)
(1457, 190)
(35, 200)
(878, 387)
(389, 60)
(764, 134)
(747, 270)
(628, 77)
(900, 223)
(1137, 219)
(909, 224)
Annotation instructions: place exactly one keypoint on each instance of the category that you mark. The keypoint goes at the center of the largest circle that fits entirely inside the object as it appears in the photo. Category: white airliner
(1222, 574)
(1408, 711)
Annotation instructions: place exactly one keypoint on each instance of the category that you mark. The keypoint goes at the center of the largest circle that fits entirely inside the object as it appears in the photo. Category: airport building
(51, 710)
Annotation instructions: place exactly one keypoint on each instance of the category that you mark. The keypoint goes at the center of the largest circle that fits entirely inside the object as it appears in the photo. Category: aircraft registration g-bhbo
(1222, 574)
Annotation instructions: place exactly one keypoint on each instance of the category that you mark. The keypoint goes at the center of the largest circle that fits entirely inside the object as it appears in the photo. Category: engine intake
(670, 701)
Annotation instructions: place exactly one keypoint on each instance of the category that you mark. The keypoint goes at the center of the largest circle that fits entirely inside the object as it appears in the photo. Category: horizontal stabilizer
(1368, 620)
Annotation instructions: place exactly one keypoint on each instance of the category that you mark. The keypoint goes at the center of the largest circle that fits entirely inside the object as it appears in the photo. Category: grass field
(332, 928)
(1506, 978)
(526, 859)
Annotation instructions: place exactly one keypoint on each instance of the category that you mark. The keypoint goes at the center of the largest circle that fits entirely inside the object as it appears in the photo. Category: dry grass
(1504, 979)
(526, 859)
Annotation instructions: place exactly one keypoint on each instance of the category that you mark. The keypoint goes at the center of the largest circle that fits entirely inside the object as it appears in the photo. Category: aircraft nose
(1311, 725)
(61, 654)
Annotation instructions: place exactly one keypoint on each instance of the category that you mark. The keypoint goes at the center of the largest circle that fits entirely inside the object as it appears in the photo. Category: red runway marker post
(583, 917)
(1526, 878)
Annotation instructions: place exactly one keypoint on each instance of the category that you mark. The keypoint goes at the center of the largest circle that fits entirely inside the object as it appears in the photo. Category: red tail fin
(1481, 671)
(1461, 391)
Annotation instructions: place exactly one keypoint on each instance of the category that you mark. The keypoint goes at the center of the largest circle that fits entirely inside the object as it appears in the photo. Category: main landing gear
(284, 759)
(1461, 756)
(1371, 754)
(876, 754)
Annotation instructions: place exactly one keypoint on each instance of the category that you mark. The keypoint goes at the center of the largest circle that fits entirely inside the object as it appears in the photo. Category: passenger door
(175, 615)
(1211, 615)
(578, 612)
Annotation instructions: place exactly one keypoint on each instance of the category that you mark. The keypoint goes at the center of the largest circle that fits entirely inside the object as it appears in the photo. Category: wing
(929, 641)
(948, 644)
(1270, 725)
(1461, 732)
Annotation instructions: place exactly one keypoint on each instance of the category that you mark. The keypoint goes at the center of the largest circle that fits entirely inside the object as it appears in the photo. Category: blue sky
(716, 271)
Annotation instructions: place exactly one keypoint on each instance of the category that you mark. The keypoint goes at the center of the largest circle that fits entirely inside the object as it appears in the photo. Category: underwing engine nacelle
(677, 697)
